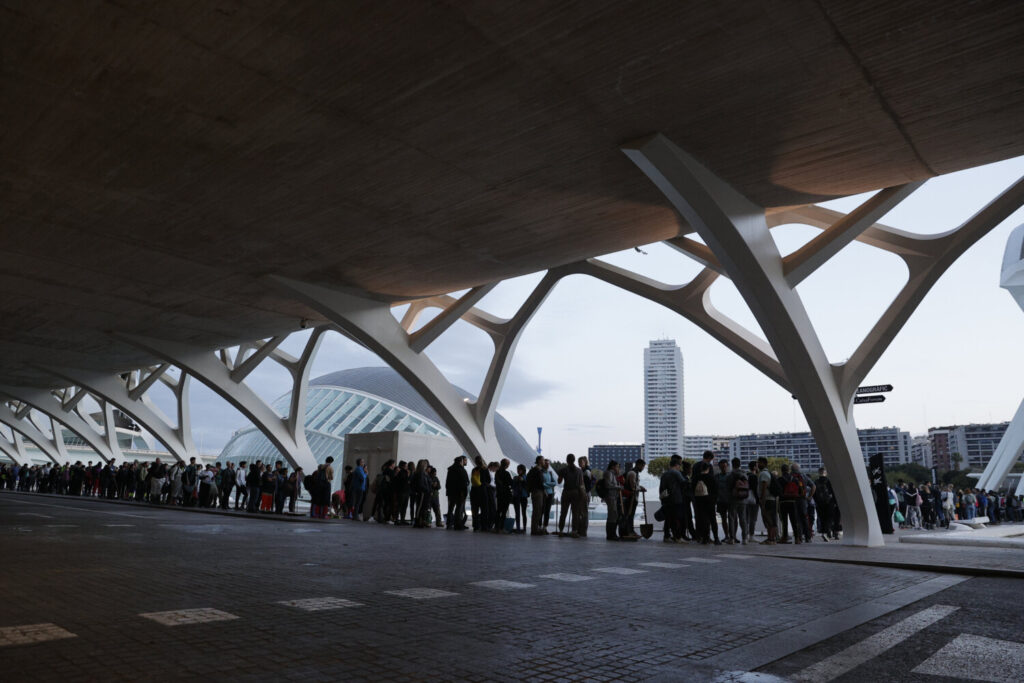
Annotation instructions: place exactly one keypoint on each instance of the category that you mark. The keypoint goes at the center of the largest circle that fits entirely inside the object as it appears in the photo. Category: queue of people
(695, 498)
(928, 506)
(257, 487)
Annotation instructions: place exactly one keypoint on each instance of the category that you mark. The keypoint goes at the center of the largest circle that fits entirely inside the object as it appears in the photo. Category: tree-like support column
(739, 245)
(1011, 446)
(17, 418)
(64, 407)
(370, 322)
(225, 372)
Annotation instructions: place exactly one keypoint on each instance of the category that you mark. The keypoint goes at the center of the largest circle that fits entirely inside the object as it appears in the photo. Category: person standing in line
(802, 507)
(588, 486)
(549, 491)
(705, 494)
(419, 484)
(401, 488)
(519, 497)
(738, 487)
(252, 485)
(227, 483)
(571, 479)
(752, 504)
(913, 505)
(767, 491)
(241, 490)
(535, 487)
(825, 500)
(281, 492)
(631, 489)
(477, 491)
(435, 496)
(670, 492)
(503, 492)
(294, 487)
(357, 492)
(613, 499)
(792, 490)
(456, 486)
(491, 490)
(723, 499)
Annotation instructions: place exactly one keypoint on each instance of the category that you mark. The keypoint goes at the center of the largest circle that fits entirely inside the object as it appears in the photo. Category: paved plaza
(100, 591)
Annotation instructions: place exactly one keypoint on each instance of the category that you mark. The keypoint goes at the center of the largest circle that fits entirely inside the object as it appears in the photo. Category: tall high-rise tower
(663, 399)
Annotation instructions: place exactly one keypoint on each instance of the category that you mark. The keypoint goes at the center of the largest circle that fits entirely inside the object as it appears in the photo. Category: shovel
(646, 530)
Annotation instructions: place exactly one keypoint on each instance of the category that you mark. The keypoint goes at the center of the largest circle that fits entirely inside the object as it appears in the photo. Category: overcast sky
(578, 370)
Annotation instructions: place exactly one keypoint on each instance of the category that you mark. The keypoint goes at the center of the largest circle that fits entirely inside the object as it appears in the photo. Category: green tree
(658, 466)
(775, 464)
(957, 459)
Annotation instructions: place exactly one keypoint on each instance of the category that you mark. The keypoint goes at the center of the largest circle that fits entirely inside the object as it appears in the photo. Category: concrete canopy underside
(157, 162)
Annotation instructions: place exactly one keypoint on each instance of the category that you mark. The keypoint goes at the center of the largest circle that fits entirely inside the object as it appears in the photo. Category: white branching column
(739, 245)
(370, 322)
(17, 416)
(1011, 446)
(225, 373)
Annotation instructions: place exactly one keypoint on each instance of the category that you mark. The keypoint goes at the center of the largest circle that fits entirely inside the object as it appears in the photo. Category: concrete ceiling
(158, 159)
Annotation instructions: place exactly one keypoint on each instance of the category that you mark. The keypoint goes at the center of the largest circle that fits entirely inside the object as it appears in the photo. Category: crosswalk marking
(421, 593)
(664, 565)
(32, 633)
(624, 571)
(501, 585)
(320, 604)
(872, 646)
(567, 577)
(704, 560)
(977, 658)
(181, 617)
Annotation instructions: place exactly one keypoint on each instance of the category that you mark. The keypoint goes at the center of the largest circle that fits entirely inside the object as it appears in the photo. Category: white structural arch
(225, 372)
(16, 417)
(1011, 446)
(736, 244)
(64, 407)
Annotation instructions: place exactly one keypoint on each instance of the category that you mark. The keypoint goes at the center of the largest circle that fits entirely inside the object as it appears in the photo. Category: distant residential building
(720, 446)
(599, 456)
(975, 443)
(663, 398)
(921, 451)
(938, 438)
(694, 446)
(801, 448)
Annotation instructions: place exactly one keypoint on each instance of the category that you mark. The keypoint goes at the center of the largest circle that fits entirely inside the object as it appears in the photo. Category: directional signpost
(876, 389)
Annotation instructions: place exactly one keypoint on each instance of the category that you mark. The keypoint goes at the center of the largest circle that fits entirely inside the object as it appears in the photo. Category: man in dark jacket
(456, 487)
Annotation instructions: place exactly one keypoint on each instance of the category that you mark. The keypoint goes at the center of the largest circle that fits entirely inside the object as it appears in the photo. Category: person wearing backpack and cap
(792, 491)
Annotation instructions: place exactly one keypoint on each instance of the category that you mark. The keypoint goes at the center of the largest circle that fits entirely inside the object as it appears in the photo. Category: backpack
(601, 487)
(793, 487)
(775, 486)
(740, 487)
(701, 489)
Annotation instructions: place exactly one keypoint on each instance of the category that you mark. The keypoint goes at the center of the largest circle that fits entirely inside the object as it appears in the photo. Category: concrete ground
(99, 591)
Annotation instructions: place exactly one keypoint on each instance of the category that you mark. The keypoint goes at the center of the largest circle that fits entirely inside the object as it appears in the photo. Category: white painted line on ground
(502, 585)
(624, 571)
(118, 525)
(181, 617)
(705, 560)
(320, 604)
(62, 526)
(567, 577)
(872, 646)
(34, 514)
(32, 633)
(736, 556)
(68, 507)
(664, 565)
(303, 530)
(977, 658)
(421, 593)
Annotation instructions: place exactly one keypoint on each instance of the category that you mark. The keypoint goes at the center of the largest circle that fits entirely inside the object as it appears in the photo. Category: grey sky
(578, 368)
